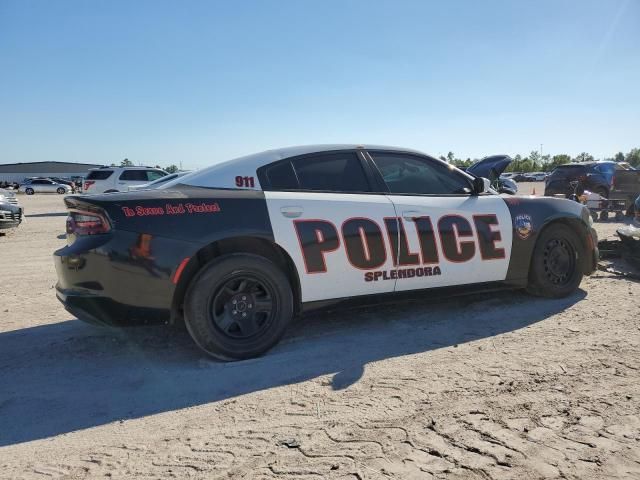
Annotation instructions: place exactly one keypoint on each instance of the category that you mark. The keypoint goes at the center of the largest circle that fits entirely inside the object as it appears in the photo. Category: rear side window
(568, 171)
(99, 174)
(134, 175)
(335, 172)
(282, 177)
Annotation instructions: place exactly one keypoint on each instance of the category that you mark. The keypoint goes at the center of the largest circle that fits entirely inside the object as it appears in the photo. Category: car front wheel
(61, 190)
(29, 191)
(556, 263)
(238, 306)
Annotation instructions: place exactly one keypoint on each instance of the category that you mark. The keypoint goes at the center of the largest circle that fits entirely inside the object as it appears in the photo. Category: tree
(451, 157)
(619, 157)
(171, 169)
(584, 157)
(633, 157)
(126, 163)
(557, 160)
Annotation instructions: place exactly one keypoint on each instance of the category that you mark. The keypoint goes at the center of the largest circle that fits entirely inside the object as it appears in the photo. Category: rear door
(326, 214)
(446, 235)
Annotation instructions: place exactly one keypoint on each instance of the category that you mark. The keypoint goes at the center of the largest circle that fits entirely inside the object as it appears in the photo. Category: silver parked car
(43, 185)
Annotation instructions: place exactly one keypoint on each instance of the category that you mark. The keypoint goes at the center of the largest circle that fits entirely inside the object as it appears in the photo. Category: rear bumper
(106, 312)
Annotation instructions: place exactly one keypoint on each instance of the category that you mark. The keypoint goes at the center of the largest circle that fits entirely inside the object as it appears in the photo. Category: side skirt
(437, 294)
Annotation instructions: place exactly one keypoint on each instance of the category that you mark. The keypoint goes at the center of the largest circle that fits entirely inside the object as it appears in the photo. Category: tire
(61, 191)
(238, 306)
(29, 191)
(556, 263)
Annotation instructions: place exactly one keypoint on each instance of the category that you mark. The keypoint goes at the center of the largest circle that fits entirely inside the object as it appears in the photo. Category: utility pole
(541, 150)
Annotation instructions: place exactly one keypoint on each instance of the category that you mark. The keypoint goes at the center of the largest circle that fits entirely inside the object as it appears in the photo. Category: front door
(446, 235)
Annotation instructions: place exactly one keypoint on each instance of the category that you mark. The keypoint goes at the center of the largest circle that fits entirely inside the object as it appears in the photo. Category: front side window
(333, 172)
(154, 175)
(405, 174)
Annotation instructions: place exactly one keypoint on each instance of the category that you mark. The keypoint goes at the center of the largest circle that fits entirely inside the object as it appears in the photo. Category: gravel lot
(502, 386)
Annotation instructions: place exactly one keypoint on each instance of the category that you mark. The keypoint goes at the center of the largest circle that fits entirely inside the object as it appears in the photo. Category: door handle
(291, 212)
(410, 215)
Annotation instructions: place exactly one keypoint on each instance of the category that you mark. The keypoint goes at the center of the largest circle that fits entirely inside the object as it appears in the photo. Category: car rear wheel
(238, 306)
(61, 190)
(29, 191)
(556, 263)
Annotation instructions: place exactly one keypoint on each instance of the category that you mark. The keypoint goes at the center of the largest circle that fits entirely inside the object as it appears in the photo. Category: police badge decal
(523, 225)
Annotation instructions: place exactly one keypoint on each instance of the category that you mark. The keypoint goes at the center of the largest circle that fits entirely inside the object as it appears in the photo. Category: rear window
(99, 174)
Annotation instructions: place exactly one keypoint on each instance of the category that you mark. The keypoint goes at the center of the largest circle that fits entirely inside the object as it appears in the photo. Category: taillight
(88, 183)
(86, 223)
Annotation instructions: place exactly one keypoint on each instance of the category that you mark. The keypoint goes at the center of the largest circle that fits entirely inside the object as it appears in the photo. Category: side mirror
(481, 185)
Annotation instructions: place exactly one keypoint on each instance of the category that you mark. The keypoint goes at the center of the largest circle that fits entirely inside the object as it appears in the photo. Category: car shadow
(68, 376)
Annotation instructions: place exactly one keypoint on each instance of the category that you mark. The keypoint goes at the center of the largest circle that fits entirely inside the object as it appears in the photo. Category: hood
(490, 167)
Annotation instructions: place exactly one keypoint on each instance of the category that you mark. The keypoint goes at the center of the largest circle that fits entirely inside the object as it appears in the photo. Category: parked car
(615, 181)
(159, 182)
(8, 196)
(237, 250)
(119, 179)
(10, 214)
(520, 177)
(536, 176)
(64, 181)
(43, 185)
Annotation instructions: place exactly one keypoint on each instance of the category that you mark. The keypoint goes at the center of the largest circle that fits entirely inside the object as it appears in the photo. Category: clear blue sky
(203, 81)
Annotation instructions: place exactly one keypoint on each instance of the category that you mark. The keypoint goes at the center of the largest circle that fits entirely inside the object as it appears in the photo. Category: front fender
(542, 212)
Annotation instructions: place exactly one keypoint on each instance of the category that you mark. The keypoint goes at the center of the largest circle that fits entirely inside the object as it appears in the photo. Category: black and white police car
(238, 249)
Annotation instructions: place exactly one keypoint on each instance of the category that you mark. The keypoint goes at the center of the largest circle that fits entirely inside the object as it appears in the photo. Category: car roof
(250, 163)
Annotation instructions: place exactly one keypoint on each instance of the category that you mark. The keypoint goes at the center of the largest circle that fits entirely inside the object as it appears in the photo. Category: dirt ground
(500, 386)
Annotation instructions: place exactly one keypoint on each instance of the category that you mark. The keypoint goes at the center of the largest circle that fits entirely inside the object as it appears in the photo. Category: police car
(239, 249)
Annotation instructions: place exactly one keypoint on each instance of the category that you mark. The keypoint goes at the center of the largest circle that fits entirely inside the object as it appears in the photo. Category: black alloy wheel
(556, 263)
(243, 306)
(238, 306)
(559, 261)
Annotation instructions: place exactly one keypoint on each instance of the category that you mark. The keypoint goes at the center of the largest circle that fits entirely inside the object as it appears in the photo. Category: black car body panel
(131, 271)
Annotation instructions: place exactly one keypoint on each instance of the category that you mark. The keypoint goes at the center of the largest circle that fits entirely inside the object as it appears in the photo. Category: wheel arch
(241, 244)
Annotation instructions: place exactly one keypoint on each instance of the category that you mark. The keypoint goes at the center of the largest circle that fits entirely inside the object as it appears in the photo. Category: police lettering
(365, 247)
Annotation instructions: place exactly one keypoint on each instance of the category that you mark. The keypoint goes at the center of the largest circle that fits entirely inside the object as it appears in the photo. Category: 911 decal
(247, 182)
(366, 247)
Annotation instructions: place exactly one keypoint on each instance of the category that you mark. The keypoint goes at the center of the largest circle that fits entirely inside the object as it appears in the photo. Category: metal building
(17, 172)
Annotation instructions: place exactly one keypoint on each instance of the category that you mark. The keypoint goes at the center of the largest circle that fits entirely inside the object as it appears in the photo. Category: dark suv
(609, 179)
